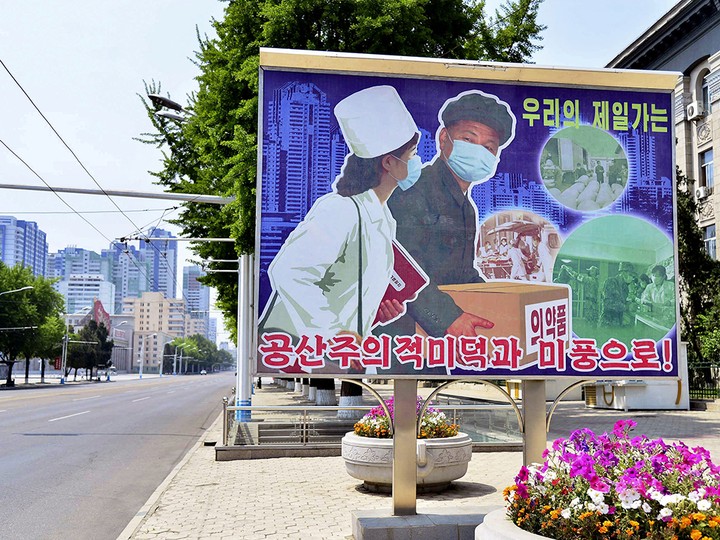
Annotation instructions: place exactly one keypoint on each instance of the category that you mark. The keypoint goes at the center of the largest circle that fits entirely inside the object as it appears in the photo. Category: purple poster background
(303, 152)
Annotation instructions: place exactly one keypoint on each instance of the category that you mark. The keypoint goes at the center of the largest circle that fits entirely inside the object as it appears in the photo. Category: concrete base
(235, 453)
(454, 523)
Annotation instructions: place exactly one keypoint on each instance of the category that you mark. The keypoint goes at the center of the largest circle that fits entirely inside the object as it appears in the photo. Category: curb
(150, 505)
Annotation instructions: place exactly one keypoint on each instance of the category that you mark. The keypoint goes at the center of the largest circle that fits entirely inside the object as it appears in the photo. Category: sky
(83, 64)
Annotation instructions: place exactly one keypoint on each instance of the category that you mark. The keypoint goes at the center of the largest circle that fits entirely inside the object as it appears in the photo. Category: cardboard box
(516, 309)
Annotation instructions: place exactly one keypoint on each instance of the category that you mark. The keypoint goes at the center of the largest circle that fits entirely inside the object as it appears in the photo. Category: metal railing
(704, 381)
(305, 425)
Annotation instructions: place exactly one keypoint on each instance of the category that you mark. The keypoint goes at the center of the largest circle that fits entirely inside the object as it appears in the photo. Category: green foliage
(204, 353)
(92, 350)
(215, 150)
(26, 316)
(699, 274)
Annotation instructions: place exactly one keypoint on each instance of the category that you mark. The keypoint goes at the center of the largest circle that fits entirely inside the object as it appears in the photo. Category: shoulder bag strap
(360, 266)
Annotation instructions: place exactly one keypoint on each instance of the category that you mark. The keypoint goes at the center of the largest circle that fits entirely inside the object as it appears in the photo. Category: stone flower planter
(497, 526)
(439, 461)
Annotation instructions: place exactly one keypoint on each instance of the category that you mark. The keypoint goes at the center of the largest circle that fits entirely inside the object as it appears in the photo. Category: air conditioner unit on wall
(701, 192)
(695, 110)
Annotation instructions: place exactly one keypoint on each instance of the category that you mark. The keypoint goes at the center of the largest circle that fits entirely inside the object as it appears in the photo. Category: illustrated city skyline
(303, 152)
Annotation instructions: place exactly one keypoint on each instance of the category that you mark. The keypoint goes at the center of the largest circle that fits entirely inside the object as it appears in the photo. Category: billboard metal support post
(244, 381)
(404, 486)
(533, 407)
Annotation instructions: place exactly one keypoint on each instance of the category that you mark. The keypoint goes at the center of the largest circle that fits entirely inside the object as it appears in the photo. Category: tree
(91, 350)
(214, 151)
(699, 274)
(48, 342)
(23, 313)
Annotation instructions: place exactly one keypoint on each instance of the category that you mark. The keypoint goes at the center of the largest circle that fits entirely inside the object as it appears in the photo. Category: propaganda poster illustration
(486, 224)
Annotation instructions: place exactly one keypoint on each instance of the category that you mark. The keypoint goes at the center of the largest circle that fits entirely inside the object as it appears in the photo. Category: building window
(706, 103)
(706, 169)
(709, 239)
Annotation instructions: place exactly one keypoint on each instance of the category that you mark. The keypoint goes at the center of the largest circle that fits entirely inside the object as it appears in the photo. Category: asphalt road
(79, 461)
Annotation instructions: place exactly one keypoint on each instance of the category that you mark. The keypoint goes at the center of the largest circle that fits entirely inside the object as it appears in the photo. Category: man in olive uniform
(436, 219)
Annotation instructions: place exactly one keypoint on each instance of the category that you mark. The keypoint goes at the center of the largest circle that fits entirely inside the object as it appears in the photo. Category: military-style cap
(479, 107)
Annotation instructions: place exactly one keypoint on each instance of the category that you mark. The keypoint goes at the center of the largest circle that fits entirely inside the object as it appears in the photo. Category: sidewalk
(312, 498)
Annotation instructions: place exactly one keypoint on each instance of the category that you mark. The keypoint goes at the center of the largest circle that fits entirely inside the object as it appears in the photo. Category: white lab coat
(314, 276)
(545, 262)
(518, 266)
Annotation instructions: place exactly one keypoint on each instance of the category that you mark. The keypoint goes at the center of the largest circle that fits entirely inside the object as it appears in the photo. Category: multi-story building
(197, 300)
(162, 258)
(74, 260)
(129, 271)
(23, 243)
(687, 40)
(132, 271)
(157, 321)
(81, 291)
(212, 329)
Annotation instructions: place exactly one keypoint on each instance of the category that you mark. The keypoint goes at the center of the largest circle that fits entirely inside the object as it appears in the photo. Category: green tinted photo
(622, 274)
(584, 168)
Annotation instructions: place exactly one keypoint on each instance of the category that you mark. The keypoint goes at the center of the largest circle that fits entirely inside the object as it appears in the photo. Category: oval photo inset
(584, 168)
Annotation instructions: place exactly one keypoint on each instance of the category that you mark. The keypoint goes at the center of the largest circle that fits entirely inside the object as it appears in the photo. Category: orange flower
(695, 535)
(698, 516)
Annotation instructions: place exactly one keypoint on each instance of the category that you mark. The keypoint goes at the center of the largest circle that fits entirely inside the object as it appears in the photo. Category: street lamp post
(180, 346)
(26, 288)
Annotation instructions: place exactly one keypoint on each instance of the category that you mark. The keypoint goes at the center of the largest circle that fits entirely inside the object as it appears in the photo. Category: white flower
(603, 508)
(596, 496)
(673, 498)
(550, 475)
(566, 513)
(646, 508)
(665, 512)
(575, 503)
(704, 505)
(694, 496)
(628, 497)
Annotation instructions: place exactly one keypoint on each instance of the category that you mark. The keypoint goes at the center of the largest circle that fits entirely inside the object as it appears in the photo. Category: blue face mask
(472, 162)
(414, 166)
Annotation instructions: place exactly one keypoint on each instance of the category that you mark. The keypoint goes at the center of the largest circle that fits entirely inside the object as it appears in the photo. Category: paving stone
(308, 498)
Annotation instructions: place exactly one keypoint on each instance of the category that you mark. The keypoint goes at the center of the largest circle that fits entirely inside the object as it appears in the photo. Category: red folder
(406, 280)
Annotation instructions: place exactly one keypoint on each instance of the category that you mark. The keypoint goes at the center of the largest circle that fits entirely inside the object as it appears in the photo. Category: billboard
(430, 218)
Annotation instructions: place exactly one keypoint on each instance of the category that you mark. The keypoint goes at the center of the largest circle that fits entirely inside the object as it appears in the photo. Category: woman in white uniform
(347, 235)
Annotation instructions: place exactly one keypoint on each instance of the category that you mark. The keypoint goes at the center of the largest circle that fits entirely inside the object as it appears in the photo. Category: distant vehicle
(203, 372)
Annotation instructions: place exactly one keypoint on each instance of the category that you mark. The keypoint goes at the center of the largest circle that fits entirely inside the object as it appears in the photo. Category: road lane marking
(82, 398)
(68, 416)
(140, 399)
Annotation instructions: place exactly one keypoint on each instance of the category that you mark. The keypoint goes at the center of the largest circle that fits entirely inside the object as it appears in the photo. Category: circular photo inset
(517, 244)
(584, 168)
(621, 272)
